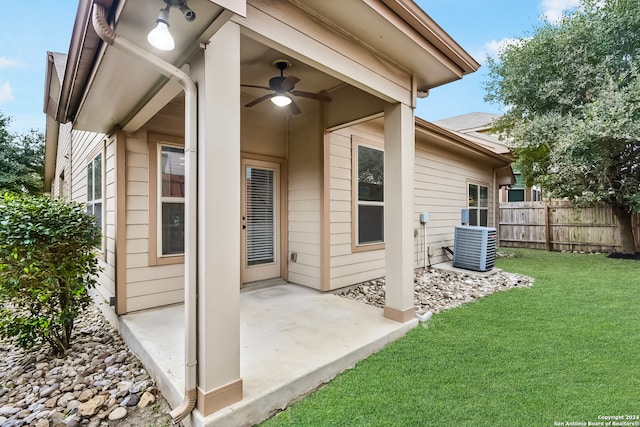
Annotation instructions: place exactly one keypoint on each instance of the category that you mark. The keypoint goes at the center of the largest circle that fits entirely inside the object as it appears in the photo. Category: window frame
(536, 193)
(92, 201)
(156, 141)
(479, 208)
(356, 246)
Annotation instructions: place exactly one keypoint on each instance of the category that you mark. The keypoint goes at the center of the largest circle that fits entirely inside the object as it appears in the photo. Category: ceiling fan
(283, 87)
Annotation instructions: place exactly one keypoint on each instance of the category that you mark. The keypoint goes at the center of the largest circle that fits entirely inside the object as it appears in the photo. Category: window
(94, 189)
(370, 198)
(171, 201)
(515, 195)
(536, 194)
(478, 204)
(516, 191)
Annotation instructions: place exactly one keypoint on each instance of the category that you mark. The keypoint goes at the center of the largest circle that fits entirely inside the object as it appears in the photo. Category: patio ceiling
(107, 87)
(120, 84)
(256, 68)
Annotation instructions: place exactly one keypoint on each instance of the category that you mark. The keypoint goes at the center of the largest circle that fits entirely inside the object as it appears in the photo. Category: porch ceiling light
(281, 100)
(160, 37)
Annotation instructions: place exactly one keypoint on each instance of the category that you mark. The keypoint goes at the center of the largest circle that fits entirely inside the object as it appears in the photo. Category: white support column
(399, 161)
(219, 383)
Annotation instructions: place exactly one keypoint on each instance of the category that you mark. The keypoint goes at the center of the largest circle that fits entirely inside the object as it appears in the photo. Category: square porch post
(219, 382)
(399, 154)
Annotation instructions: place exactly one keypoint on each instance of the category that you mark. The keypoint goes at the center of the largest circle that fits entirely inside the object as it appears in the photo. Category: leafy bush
(47, 266)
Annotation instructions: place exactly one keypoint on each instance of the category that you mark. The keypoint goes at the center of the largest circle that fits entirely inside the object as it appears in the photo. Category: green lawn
(565, 350)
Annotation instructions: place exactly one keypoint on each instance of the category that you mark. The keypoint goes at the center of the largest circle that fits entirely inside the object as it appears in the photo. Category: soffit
(405, 35)
(120, 83)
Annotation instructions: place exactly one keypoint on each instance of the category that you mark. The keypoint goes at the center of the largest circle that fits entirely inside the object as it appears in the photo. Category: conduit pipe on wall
(108, 34)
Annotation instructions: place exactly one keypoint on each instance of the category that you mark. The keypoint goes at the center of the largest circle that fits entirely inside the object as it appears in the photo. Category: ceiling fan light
(281, 100)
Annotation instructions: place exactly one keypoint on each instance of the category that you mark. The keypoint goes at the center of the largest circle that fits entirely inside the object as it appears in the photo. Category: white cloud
(552, 10)
(7, 62)
(493, 48)
(5, 93)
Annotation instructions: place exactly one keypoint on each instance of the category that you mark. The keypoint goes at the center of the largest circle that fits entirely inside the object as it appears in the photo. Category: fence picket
(560, 226)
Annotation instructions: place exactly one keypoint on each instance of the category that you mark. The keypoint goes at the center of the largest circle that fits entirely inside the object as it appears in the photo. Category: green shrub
(47, 266)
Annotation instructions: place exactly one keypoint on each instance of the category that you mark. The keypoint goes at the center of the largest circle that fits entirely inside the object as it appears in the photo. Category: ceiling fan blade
(259, 100)
(289, 83)
(318, 96)
(293, 108)
(258, 87)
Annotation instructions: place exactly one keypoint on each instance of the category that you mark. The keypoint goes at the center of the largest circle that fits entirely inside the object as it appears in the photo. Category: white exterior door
(260, 220)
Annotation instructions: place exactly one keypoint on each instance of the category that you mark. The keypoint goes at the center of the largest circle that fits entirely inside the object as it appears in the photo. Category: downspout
(106, 33)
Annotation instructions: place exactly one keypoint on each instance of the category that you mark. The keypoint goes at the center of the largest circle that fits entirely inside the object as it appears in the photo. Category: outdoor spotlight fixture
(160, 37)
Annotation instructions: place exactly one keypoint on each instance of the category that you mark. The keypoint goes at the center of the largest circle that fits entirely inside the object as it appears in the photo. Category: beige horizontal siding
(440, 188)
(441, 180)
(147, 285)
(347, 267)
(147, 301)
(304, 204)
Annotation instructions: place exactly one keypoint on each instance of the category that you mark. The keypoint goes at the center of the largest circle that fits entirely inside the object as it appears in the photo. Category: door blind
(260, 216)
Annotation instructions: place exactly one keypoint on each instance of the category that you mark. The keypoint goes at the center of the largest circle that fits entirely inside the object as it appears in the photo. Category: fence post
(547, 228)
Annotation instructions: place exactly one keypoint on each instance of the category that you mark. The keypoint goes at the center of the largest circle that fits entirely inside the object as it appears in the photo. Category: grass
(565, 350)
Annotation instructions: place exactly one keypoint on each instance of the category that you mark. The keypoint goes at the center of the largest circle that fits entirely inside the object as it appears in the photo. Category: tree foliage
(573, 93)
(21, 160)
(47, 265)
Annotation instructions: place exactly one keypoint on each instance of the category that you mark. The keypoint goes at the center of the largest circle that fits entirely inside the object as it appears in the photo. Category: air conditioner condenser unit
(474, 248)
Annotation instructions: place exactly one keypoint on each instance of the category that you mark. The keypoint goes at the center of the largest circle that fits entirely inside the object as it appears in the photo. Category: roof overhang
(505, 176)
(428, 52)
(80, 60)
(458, 143)
(105, 87)
(55, 71)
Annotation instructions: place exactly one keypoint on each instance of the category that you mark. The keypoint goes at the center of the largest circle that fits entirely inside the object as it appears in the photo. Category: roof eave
(50, 151)
(80, 61)
(430, 128)
(418, 19)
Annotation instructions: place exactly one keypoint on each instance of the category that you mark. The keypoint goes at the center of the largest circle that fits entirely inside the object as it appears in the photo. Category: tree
(573, 93)
(47, 266)
(21, 160)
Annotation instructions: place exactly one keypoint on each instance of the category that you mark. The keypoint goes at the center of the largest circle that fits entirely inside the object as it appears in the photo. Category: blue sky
(481, 27)
(28, 29)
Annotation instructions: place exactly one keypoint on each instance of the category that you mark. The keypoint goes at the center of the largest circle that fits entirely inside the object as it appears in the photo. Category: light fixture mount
(160, 37)
(281, 64)
(189, 14)
(280, 98)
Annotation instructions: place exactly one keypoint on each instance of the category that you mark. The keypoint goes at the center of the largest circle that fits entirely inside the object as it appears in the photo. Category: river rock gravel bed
(97, 383)
(437, 290)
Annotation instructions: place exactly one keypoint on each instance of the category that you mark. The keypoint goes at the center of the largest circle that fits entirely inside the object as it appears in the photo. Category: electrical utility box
(474, 248)
(464, 216)
(424, 217)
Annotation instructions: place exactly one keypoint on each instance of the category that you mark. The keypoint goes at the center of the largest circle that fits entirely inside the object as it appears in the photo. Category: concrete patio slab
(292, 340)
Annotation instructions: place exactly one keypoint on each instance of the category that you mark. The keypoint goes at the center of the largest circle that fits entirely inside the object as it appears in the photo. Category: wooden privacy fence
(560, 226)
